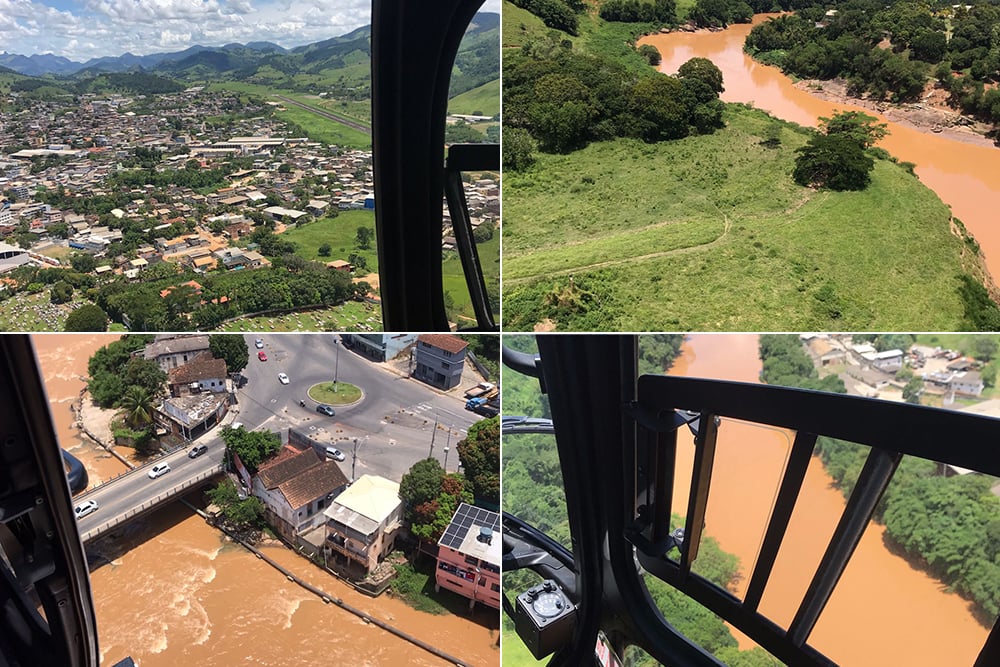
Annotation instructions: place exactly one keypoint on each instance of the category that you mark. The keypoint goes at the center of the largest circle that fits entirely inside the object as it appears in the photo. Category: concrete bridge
(134, 493)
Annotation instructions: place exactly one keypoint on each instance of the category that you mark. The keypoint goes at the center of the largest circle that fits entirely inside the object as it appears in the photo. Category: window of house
(495, 588)
(472, 560)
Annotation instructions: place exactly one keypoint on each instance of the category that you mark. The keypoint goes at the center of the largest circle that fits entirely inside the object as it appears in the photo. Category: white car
(259, 343)
(159, 470)
(85, 508)
(282, 378)
(335, 453)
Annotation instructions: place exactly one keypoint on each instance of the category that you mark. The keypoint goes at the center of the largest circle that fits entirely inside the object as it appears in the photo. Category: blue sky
(84, 29)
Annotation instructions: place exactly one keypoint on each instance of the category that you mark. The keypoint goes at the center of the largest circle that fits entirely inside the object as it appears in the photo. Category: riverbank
(744, 247)
(931, 115)
(95, 422)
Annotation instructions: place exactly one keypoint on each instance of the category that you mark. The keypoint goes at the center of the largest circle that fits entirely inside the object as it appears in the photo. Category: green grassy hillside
(483, 101)
(711, 233)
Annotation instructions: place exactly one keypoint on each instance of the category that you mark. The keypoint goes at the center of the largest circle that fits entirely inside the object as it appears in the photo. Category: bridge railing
(147, 505)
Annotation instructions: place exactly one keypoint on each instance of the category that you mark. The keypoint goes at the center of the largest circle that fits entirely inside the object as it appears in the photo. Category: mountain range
(242, 60)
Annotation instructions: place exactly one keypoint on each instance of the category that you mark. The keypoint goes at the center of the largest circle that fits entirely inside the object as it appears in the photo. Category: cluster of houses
(944, 372)
(308, 499)
(200, 390)
(93, 139)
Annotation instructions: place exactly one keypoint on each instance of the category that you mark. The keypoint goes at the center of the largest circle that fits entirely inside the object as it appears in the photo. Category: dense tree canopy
(253, 447)
(87, 317)
(479, 452)
(566, 98)
(232, 348)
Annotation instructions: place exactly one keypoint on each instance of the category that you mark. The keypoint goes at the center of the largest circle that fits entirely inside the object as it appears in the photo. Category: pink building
(469, 556)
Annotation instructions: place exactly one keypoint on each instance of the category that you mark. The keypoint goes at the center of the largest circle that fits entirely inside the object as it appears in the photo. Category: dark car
(325, 409)
(197, 451)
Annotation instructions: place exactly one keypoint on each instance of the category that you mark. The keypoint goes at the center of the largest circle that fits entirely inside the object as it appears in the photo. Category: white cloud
(95, 28)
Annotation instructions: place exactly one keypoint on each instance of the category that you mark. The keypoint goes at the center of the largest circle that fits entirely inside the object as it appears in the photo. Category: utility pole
(447, 444)
(354, 460)
(430, 454)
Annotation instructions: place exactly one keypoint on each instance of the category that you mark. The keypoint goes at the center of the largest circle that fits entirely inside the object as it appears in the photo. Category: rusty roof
(445, 342)
(202, 367)
(277, 472)
(313, 483)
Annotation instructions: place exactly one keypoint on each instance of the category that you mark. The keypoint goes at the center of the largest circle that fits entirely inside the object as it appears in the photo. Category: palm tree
(138, 406)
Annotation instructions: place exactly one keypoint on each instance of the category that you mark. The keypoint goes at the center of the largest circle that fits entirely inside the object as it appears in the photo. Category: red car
(262, 356)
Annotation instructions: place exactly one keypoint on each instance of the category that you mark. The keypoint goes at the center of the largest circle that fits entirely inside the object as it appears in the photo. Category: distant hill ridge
(231, 56)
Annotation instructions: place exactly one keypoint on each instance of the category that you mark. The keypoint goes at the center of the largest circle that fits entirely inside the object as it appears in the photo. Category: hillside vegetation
(710, 232)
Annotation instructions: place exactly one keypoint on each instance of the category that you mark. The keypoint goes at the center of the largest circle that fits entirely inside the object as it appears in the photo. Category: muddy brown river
(884, 611)
(171, 592)
(964, 176)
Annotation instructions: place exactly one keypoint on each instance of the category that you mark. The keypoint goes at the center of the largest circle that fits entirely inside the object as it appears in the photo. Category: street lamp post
(336, 370)
(446, 445)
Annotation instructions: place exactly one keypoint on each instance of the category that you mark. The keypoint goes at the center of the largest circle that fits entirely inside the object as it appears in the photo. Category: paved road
(130, 491)
(391, 426)
(393, 423)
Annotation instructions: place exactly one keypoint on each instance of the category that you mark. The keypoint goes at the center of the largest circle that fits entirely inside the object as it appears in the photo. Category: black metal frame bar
(414, 45)
(462, 158)
(889, 429)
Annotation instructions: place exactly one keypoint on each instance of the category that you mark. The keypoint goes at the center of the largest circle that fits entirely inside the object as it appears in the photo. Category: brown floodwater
(170, 591)
(63, 361)
(884, 611)
(965, 176)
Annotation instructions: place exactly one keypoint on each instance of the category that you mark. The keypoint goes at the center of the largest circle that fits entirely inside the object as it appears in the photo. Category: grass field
(339, 232)
(453, 278)
(317, 127)
(710, 233)
(482, 101)
(35, 312)
(515, 653)
(325, 393)
(325, 130)
(351, 316)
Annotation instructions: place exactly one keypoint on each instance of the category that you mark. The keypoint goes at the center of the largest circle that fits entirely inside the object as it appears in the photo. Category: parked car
(85, 508)
(159, 470)
(325, 409)
(335, 453)
(259, 343)
(262, 356)
(197, 451)
(282, 378)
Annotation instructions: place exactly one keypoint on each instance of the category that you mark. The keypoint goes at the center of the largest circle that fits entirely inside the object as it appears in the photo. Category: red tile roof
(445, 342)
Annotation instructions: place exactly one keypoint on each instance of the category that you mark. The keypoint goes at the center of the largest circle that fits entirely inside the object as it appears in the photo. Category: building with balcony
(362, 522)
(468, 561)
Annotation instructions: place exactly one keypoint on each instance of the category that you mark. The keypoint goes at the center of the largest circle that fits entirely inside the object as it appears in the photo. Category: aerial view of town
(338, 493)
(225, 188)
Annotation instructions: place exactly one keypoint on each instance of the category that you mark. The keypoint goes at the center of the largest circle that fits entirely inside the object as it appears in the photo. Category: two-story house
(439, 360)
(296, 486)
(363, 521)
